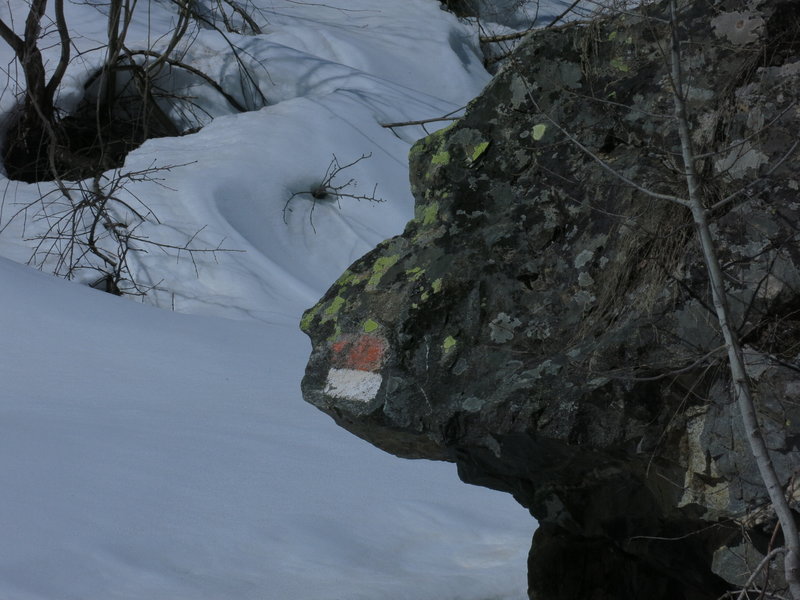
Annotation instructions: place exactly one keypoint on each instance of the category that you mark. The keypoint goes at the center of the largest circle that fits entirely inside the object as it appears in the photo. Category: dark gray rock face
(547, 326)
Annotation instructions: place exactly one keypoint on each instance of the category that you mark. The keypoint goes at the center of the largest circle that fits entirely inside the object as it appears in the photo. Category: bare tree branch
(740, 383)
(64, 40)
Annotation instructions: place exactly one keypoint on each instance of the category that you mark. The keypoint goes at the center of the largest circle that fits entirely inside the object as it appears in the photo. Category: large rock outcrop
(546, 325)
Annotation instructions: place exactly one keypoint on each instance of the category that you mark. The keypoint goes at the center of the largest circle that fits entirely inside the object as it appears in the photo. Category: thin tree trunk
(32, 136)
(31, 59)
(740, 385)
(27, 52)
(63, 61)
(108, 78)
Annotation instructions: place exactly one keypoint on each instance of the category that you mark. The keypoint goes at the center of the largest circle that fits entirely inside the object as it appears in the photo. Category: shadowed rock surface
(548, 327)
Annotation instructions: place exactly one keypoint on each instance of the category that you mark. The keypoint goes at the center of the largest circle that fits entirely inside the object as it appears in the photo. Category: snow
(149, 454)
(158, 446)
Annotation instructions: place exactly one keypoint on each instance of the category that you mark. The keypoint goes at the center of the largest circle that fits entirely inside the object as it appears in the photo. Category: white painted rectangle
(351, 384)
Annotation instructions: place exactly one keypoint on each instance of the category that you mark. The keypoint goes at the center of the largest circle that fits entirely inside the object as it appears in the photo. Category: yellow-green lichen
(538, 131)
(619, 65)
(440, 132)
(417, 148)
(379, 268)
(612, 36)
(449, 343)
(337, 333)
(369, 326)
(429, 214)
(347, 278)
(433, 144)
(436, 286)
(308, 318)
(415, 273)
(478, 150)
(333, 308)
(441, 158)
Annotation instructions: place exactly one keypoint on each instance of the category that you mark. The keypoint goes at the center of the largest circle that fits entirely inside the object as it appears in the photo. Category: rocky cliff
(546, 324)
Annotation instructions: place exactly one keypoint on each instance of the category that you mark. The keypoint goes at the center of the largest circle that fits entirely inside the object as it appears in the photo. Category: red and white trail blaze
(356, 362)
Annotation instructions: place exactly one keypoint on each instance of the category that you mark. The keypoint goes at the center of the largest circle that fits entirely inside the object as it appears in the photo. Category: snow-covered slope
(147, 454)
(331, 76)
(150, 454)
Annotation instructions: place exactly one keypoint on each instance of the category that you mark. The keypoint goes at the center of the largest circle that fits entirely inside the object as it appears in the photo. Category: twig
(326, 188)
(182, 65)
(764, 562)
(752, 184)
(445, 117)
(493, 39)
(604, 164)
(418, 122)
(568, 10)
